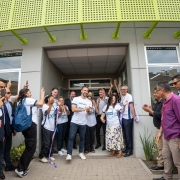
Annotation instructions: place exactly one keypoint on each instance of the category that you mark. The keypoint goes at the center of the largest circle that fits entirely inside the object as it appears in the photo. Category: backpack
(22, 120)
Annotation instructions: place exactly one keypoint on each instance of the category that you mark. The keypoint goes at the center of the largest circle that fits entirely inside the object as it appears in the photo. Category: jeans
(7, 148)
(30, 136)
(46, 143)
(61, 134)
(89, 139)
(1, 153)
(98, 129)
(73, 130)
(127, 126)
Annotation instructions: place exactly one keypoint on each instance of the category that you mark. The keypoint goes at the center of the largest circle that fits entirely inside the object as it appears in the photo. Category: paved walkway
(93, 168)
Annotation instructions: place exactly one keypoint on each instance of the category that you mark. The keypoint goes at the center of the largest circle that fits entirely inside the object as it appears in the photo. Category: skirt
(114, 138)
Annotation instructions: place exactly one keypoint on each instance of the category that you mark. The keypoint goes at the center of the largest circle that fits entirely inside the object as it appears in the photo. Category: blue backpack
(22, 120)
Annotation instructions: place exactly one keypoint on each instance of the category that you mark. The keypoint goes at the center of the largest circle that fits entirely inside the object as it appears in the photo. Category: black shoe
(124, 151)
(162, 178)
(11, 168)
(97, 146)
(103, 149)
(2, 176)
(128, 154)
(54, 151)
(157, 168)
(74, 147)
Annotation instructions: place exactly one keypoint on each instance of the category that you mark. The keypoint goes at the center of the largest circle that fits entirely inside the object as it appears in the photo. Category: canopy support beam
(177, 35)
(23, 40)
(115, 35)
(147, 34)
(51, 38)
(83, 36)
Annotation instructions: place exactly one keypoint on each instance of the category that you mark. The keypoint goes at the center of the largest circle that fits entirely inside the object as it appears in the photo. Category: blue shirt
(9, 108)
(178, 93)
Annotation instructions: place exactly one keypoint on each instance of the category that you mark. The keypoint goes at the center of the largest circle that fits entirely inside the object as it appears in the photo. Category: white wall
(131, 33)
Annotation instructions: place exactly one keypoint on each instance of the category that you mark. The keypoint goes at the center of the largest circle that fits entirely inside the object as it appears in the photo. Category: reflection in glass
(162, 54)
(79, 83)
(157, 74)
(10, 62)
(100, 83)
(14, 77)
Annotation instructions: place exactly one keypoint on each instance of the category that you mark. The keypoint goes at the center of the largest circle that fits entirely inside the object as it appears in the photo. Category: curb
(145, 167)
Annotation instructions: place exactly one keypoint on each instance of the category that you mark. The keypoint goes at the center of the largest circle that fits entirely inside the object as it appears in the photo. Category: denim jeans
(1, 153)
(61, 134)
(72, 133)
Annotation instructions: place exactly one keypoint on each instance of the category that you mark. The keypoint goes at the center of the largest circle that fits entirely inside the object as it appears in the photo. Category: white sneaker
(52, 158)
(82, 156)
(60, 153)
(64, 150)
(20, 173)
(69, 157)
(43, 160)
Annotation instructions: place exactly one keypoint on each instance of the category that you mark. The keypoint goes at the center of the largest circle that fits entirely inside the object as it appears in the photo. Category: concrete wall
(130, 33)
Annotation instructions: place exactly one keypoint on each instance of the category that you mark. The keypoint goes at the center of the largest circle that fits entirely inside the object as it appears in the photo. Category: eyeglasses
(8, 92)
(123, 89)
(158, 90)
(174, 83)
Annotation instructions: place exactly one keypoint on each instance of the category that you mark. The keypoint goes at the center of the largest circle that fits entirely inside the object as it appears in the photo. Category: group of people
(85, 116)
(166, 119)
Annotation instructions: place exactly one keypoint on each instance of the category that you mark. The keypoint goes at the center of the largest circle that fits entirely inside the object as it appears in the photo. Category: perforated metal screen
(137, 10)
(61, 12)
(169, 9)
(5, 10)
(27, 13)
(99, 10)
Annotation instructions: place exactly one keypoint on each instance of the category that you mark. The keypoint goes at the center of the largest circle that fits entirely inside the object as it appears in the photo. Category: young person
(62, 125)
(48, 128)
(81, 106)
(90, 128)
(114, 136)
(30, 134)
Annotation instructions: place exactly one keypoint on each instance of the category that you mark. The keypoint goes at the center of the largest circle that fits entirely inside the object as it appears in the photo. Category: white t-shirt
(48, 119)
(80, 117)
(125, 100)
(91, 119)
(112, 115)
(63, 118)
(102, 103)
(30, 102)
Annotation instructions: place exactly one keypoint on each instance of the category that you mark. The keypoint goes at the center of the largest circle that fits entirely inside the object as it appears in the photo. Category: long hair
(110, 101)
(22, 94)
(46, 99)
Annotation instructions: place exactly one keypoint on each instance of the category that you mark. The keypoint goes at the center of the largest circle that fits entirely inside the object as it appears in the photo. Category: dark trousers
(46, 143)
(1, 153)
(7, 148)
(127, 126)
(30, 136)
(67, 135)
(89, 139)
(98, 129)
(61, 134)
(73, 130)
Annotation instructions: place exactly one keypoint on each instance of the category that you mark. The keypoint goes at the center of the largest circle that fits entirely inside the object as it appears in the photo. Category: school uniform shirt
(30, 102)
(63, 118)
(112, 117)
(91, 119)
(48, 119)
(80, 118)
(126, 100)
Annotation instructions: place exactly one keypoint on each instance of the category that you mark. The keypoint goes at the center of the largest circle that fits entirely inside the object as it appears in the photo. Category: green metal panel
(26, 14)
(99, 11)
(59, 12)
(169, 10)
(137, 10)
(5, 11)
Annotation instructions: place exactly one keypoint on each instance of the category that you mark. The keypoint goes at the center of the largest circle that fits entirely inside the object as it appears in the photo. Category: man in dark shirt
(156, 114)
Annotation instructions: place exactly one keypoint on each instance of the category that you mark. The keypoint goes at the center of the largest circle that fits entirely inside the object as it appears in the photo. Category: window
(10, 64)
(162, 65)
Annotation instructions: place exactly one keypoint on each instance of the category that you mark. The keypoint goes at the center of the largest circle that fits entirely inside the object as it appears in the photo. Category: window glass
(10, 60)
(79, 83)
(162, 54)
(100, 83)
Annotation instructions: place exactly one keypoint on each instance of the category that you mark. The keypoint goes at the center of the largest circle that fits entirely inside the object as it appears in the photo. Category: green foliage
(149, 145)
(16, 152)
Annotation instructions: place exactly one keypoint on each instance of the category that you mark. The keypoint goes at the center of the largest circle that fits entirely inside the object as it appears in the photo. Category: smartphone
(2, 92)
(27, 82)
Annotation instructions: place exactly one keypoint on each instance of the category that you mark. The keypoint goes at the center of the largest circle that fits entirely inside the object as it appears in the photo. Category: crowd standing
(64, 118)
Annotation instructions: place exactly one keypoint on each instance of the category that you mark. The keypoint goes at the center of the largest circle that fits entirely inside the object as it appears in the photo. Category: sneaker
(69, 157)
(43, 160)
(82, 156)
(20, 173)
(60, 153)
(27, 170)
(64, 150)
(52, 158)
